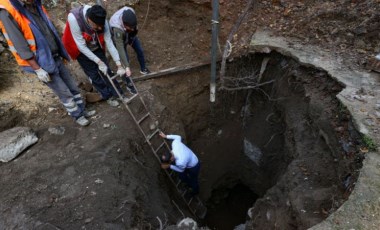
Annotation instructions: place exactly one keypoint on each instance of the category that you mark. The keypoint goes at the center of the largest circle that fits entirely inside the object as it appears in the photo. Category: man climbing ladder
(182, 160)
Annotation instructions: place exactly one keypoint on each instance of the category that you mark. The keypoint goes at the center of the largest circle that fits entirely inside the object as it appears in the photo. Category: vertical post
(215, 26)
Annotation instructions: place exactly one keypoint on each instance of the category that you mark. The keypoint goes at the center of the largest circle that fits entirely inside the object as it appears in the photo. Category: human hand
(120, 71)
(102, 67)
(165, 165)
(42, 75)
(128, 71)
(162, 135)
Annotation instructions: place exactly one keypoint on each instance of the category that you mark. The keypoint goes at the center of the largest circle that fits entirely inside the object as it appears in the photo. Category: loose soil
(103, 177)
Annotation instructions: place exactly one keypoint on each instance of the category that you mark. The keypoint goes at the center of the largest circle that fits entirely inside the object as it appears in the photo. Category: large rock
(14, 141)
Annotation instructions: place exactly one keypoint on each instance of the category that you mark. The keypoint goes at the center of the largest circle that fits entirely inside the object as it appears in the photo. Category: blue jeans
(100, 82)
(190, 177)
(64, 86)
(136, 45)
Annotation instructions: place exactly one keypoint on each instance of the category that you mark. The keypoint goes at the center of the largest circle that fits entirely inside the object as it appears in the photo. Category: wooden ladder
(150, 130)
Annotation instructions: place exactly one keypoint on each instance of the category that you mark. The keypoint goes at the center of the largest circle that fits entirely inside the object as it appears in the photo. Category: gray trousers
(65, 87)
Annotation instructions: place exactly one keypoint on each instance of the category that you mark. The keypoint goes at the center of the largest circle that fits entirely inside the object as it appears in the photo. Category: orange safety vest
(23, 23)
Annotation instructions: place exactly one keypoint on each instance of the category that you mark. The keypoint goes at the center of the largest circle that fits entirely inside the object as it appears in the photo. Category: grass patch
(369, 143)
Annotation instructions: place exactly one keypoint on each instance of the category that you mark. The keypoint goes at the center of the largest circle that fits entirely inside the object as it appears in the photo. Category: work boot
(89, 113)
(112, 102)
(82, 121)
(145, 71)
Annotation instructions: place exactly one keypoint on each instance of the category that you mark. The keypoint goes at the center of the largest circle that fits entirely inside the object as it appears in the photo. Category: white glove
(128, 71)
(42, 75)
(120, 71)
(103, 67)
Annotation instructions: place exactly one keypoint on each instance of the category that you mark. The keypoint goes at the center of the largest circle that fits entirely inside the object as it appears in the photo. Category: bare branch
(230, 36)
(245, 87)
(159, 220)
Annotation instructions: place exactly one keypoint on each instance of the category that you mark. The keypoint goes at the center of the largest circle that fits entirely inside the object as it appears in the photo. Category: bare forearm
(33, 63)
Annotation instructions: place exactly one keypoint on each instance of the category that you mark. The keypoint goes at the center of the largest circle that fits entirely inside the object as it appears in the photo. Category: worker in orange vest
(34, 42)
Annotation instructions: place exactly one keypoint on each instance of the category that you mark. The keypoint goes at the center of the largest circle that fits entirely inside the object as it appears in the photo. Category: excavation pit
(229, 204)
(277, 130)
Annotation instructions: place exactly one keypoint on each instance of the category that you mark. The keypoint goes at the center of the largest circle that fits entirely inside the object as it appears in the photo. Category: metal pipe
(214, 46)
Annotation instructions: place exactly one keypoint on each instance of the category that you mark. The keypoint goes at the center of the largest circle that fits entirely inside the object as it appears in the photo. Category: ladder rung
(143, 118)
(114, 76)
(191, 199)
(159, 147)
(131, 98)
(152, 135)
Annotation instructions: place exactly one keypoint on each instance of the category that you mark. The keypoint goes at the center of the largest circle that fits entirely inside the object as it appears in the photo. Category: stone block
(14, 141)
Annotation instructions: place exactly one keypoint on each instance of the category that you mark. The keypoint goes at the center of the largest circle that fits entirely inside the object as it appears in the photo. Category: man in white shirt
(86, 36)
(182, 160)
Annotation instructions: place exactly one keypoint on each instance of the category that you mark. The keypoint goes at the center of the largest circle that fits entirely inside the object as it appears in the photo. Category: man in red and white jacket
(86, 36)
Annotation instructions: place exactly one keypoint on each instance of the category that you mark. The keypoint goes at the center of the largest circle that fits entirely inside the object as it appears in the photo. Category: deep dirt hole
(289, 144)
(230, 205)
(286, 151)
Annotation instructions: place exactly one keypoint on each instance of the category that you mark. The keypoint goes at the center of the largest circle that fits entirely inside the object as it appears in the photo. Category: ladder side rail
(136, 122)
(121, 98)
(110, 79)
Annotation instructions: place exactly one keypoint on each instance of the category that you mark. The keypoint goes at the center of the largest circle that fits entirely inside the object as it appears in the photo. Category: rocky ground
(97, 177)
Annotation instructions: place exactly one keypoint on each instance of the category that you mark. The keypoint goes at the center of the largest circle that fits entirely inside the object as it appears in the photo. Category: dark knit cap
(129, 19)
(97, 14)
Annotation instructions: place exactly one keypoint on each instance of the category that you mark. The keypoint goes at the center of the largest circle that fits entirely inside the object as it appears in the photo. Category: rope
(146, 15)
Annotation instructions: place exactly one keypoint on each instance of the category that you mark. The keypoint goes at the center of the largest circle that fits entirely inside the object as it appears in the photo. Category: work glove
(128, 71)
(42, 75)
(120, 71)
(103, 67)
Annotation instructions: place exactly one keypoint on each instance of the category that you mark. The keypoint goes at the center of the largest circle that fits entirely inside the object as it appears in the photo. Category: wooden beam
(173, 70)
